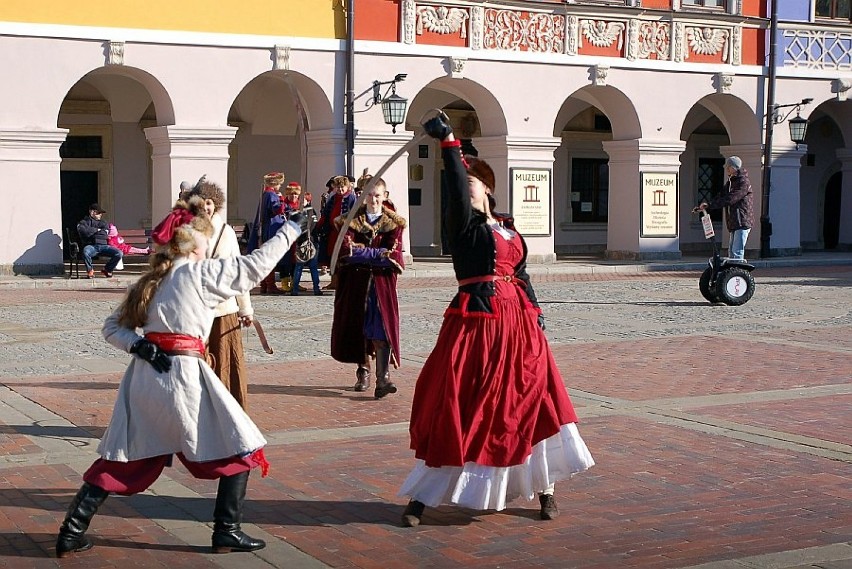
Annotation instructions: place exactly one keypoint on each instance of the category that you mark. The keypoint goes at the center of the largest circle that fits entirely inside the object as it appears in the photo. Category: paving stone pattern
(721, 435)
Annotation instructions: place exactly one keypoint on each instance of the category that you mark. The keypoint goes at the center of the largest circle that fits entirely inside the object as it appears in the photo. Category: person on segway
(736, 199)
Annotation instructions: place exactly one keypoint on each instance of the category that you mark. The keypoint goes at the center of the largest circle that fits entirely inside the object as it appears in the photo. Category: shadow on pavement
(307, 391)
(47, 541)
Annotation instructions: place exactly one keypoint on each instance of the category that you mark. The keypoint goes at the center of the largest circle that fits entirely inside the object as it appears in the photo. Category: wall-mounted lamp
(798, 125)
(393, 110)
(393, 106)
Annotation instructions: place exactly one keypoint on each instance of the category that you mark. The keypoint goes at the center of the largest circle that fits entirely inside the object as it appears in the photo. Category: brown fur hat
(273, 179)
(480, 170)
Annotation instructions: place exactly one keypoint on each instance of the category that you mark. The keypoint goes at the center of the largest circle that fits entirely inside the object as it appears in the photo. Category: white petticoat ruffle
(490, 487)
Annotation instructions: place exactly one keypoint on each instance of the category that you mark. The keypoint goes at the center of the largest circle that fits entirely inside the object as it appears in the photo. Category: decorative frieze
(572, 35)
(442, 20)
(818, 49)
(708, 41)
(409, 21)
(477, 27)
(647, 39)
(521, 31)
(115, 53)
(601, 33)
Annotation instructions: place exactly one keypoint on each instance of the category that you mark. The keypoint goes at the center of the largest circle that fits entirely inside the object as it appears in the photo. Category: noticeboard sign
(659, 204)
(530, 196)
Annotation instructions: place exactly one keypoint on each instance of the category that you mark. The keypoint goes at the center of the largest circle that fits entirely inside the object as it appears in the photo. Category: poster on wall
(530, 199)
(659, 204)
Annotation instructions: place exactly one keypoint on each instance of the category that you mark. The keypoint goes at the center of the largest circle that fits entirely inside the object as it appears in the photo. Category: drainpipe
(350, 86)
(765, 224)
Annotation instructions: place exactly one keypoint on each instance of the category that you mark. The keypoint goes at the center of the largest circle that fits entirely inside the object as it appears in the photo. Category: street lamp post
(393, 111)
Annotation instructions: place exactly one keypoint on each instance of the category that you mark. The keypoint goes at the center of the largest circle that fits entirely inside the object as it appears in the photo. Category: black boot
(227, 535)
(549, 511)
(72, 533)
(383, 383)
(362, 377)
(412, 514)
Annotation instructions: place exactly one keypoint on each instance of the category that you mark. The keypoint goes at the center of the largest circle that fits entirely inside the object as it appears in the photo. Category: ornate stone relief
(648, 38)
(599, 75)
(678, 42)
(513, 30)
(724, 82)
(409, 20)
(281, 59)
(737, 45)
(708, 41)
(442, 20)
(601, 33)
(457, 67)
(477, 27)
(841, 87)
(572, 35)
(115, 53)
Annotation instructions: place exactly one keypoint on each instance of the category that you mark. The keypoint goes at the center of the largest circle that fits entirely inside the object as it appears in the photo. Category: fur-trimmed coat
(371, 254)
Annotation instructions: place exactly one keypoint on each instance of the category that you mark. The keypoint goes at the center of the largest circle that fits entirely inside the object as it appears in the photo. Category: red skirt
(489, 391)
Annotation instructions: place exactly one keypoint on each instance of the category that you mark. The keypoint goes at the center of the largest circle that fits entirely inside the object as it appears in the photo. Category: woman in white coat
(170, 400)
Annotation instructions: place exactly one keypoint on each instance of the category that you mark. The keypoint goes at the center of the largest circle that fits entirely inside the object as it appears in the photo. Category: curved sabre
(363, 197)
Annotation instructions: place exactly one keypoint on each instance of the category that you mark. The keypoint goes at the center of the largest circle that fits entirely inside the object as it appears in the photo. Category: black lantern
(798, 129)
(393, 110)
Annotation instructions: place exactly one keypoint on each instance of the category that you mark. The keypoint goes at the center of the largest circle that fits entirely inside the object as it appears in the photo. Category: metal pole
(765, 223)
(350, 87)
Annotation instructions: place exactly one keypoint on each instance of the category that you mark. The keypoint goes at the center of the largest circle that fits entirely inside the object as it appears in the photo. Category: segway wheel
(735, 286)
(705, 288)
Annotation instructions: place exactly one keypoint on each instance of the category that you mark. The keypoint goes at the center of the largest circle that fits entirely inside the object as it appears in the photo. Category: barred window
(709, 182)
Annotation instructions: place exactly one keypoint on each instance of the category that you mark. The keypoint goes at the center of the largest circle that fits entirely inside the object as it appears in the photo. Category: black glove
(437, 127)
(148, 351)
(541, 322)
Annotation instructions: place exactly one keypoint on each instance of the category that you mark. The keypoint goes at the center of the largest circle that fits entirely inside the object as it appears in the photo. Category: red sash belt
(488, 278)
(178, 344)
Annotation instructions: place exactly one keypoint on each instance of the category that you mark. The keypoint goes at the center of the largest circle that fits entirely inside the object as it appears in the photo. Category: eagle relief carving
(442, 20)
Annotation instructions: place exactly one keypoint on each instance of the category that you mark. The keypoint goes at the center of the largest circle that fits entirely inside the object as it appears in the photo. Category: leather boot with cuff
(227, 533)
(72, 534)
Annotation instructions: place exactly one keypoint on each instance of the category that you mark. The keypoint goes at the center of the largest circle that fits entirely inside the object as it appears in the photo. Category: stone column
(326, 150)
(784, 204)
(505, 153)
(845, 241)
(752, 157)
(372, 150)
(627, 159)
(30, 192)
(186, 153)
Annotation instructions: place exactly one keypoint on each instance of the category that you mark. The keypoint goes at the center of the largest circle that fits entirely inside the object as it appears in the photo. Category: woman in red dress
(491, 419)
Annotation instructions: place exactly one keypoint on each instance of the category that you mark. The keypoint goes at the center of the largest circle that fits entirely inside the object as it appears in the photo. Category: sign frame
(527, 223)
(650, 196)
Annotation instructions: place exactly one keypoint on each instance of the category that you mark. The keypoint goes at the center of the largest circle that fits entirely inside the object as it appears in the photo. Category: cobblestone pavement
(721, 435)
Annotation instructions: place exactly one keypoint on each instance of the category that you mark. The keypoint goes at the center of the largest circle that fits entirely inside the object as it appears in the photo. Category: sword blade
(261, 335)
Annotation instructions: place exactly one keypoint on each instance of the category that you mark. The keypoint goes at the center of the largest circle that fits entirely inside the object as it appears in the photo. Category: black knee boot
(383, 383)
(227, 535)
(72, 533)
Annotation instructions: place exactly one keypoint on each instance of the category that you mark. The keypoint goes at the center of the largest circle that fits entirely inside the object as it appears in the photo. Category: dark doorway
(79, 190)
(831, 217)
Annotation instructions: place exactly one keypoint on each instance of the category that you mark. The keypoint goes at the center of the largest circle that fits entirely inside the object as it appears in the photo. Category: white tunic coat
(187, 409)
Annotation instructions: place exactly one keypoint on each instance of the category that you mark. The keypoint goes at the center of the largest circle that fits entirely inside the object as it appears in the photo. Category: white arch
(618, 108)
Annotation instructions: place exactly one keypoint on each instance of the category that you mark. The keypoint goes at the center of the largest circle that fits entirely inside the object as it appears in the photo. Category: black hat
(97, 207)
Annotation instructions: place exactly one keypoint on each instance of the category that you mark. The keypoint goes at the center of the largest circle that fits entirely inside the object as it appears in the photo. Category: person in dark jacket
(366, 307)
(94, 235)
(736, 199)
(491, 419)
